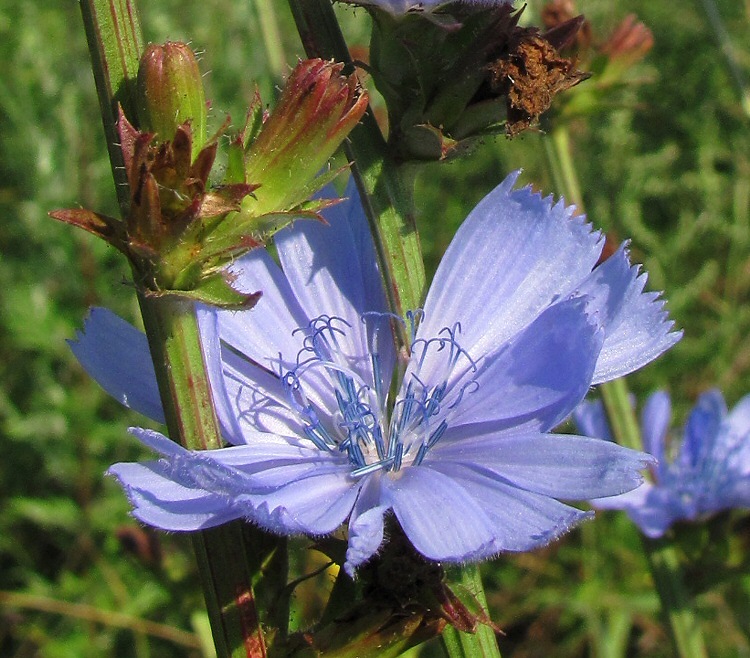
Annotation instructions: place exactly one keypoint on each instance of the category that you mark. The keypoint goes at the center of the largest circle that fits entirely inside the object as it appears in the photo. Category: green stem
(113, 34)
(174, 338)
(620, 413)
(385, 186)
(269, 28)
(662, 558)
(483, 643)
(387, 189)
(676, 604)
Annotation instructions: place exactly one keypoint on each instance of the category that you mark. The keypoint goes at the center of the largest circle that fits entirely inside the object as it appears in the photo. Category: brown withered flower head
(531, 71)
(451, 78)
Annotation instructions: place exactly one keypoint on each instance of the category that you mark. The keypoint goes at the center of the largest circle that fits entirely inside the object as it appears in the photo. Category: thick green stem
(386, 187)
(172, 329)
(115, 43)
(481, 644)
(663, 560)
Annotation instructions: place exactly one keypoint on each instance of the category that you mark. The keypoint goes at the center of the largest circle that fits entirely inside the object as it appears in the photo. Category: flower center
(359, 425)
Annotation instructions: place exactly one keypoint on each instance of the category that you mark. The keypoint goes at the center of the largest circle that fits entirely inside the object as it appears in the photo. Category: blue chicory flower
(710, 471)
(519, 322)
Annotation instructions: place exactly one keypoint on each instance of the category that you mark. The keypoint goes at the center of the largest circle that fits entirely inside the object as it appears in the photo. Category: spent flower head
(704, 473)
(516, 327)
(452, 77)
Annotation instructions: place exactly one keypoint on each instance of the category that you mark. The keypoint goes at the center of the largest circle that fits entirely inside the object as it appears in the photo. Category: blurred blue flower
(708, 472)
(519, 322)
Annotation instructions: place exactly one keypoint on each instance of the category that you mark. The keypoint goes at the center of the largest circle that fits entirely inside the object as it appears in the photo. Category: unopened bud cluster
(180, 231)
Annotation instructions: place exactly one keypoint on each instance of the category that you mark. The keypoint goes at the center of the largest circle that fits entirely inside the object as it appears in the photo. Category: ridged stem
(115, 43)
(386, 187)
(481, 644)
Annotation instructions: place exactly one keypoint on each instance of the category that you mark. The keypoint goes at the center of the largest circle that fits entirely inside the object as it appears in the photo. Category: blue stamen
(377, 435)
(311, 434)
(420, 454)
(398, 456)
(463, 390)
(435, 436)
(417, 421)
(414, 318)
(371, 468)
(356, 456)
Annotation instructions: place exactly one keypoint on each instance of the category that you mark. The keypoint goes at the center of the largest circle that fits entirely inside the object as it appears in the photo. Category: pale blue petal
(737, 427)
(264, 341)
(366, 526)
(267, 462)
(285, 488)
(591, 420)
(117, 356)
(441, 521)
(268, 329)
(636, 324)
(211, 346)
(514, 255)
(738, 420)
(518, 520)
(652, 509)
(332, 271)
(313, 505)
(258, 399)
(163, 503)
(543, 373)
(702, 430)
(557, 465)
(655, 420)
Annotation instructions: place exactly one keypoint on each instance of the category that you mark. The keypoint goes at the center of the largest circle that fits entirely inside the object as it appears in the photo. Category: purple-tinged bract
(708, 471)
(519, 322)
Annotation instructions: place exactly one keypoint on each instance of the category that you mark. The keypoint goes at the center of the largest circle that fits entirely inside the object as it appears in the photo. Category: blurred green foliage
(665, 163)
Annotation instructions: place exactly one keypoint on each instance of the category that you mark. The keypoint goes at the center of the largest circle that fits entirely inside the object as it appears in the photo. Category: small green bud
(170, 93)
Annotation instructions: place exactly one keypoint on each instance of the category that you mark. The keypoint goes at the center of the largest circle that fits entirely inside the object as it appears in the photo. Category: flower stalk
(115, 43)
(662, 556)
(386, 188)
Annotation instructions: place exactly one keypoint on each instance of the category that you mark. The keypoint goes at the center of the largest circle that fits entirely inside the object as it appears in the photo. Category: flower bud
(317, 109)
(170, 93)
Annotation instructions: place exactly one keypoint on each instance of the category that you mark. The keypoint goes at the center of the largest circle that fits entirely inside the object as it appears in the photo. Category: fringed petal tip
(366, 536)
